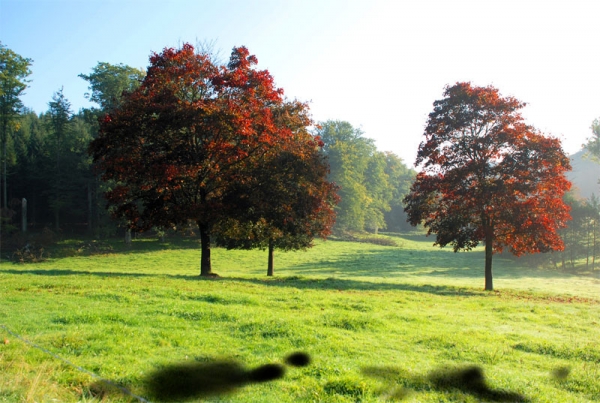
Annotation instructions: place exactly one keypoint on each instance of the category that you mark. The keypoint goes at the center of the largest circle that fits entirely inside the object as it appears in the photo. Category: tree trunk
(4, 192)
(270, 264)
(34, 211)
(56, 220)
(594, 248)
(90, 214)
(587, 247)
(573, 252)
(24, 215)
(4, 144)
(489, 237)
(95, 207)
(205, 268)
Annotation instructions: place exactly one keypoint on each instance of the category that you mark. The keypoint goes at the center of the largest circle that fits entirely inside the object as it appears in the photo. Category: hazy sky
(377, 64)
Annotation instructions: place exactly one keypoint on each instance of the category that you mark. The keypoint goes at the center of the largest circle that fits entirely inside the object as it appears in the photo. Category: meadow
(380, 323)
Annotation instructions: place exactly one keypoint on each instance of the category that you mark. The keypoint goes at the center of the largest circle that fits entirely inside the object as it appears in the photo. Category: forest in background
(48, 165)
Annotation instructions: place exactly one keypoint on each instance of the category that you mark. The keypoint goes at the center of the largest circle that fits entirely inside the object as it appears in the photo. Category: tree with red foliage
(180, 144)
(487, 176)
(288, 200)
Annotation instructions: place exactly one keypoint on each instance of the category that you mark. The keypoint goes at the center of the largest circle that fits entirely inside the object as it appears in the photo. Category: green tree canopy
(371, 183)
(593, 143)
(108, 82)
(14, 70)
(59, 127)
(348, 154)
(379, 192)
(400, 178)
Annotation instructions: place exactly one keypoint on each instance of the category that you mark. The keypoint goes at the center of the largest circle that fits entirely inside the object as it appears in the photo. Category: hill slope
(585, 175)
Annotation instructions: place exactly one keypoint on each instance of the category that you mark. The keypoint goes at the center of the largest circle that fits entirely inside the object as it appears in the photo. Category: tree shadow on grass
(66, 272)
(382, 268)
(391, 262)
(298, 282)
(397, 263)
(290, 282)
(118, 247)
(337, 284)
(468, 380)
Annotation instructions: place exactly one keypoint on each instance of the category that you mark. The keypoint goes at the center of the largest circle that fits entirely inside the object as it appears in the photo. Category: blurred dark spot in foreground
(469, 380)
(195, 380)
(561, 373)
(298, 359)
(472, 381)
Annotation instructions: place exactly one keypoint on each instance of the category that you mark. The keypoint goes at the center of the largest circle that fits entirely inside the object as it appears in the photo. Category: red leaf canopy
(190, 129)
(487, 176)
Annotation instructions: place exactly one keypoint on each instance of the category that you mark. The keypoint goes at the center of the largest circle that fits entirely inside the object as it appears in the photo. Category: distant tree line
(48, 164)
(582, 235)
(371, 183)
(46, 160)
(581, 238)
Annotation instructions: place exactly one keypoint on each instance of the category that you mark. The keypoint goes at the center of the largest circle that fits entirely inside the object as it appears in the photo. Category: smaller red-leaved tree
(288, 201)
(487, 176)
(179, 146)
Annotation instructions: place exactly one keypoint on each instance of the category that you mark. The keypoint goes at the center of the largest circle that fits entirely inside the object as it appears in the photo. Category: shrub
(33, 248)
(30, 253)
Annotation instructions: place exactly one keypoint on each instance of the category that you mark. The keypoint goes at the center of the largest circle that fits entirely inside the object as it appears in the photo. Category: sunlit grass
(377, 320)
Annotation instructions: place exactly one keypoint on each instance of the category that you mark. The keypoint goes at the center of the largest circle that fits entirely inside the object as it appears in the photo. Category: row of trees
(46, 162)
(582, 236)
(239, 146)
(192, 140)
(372, 183)
(49, 167)
(219, 146)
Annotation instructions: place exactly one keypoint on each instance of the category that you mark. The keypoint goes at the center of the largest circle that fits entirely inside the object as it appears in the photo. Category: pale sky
(379, 65)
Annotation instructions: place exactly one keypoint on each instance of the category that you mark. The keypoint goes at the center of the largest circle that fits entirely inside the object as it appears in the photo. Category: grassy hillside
(585, 175)
(381, 323)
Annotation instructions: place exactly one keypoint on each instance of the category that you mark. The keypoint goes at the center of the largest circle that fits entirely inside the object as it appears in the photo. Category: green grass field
(380, 323)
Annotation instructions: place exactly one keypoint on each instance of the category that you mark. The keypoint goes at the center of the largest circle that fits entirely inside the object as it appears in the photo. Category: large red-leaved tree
(186, 138)
(487, 176)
